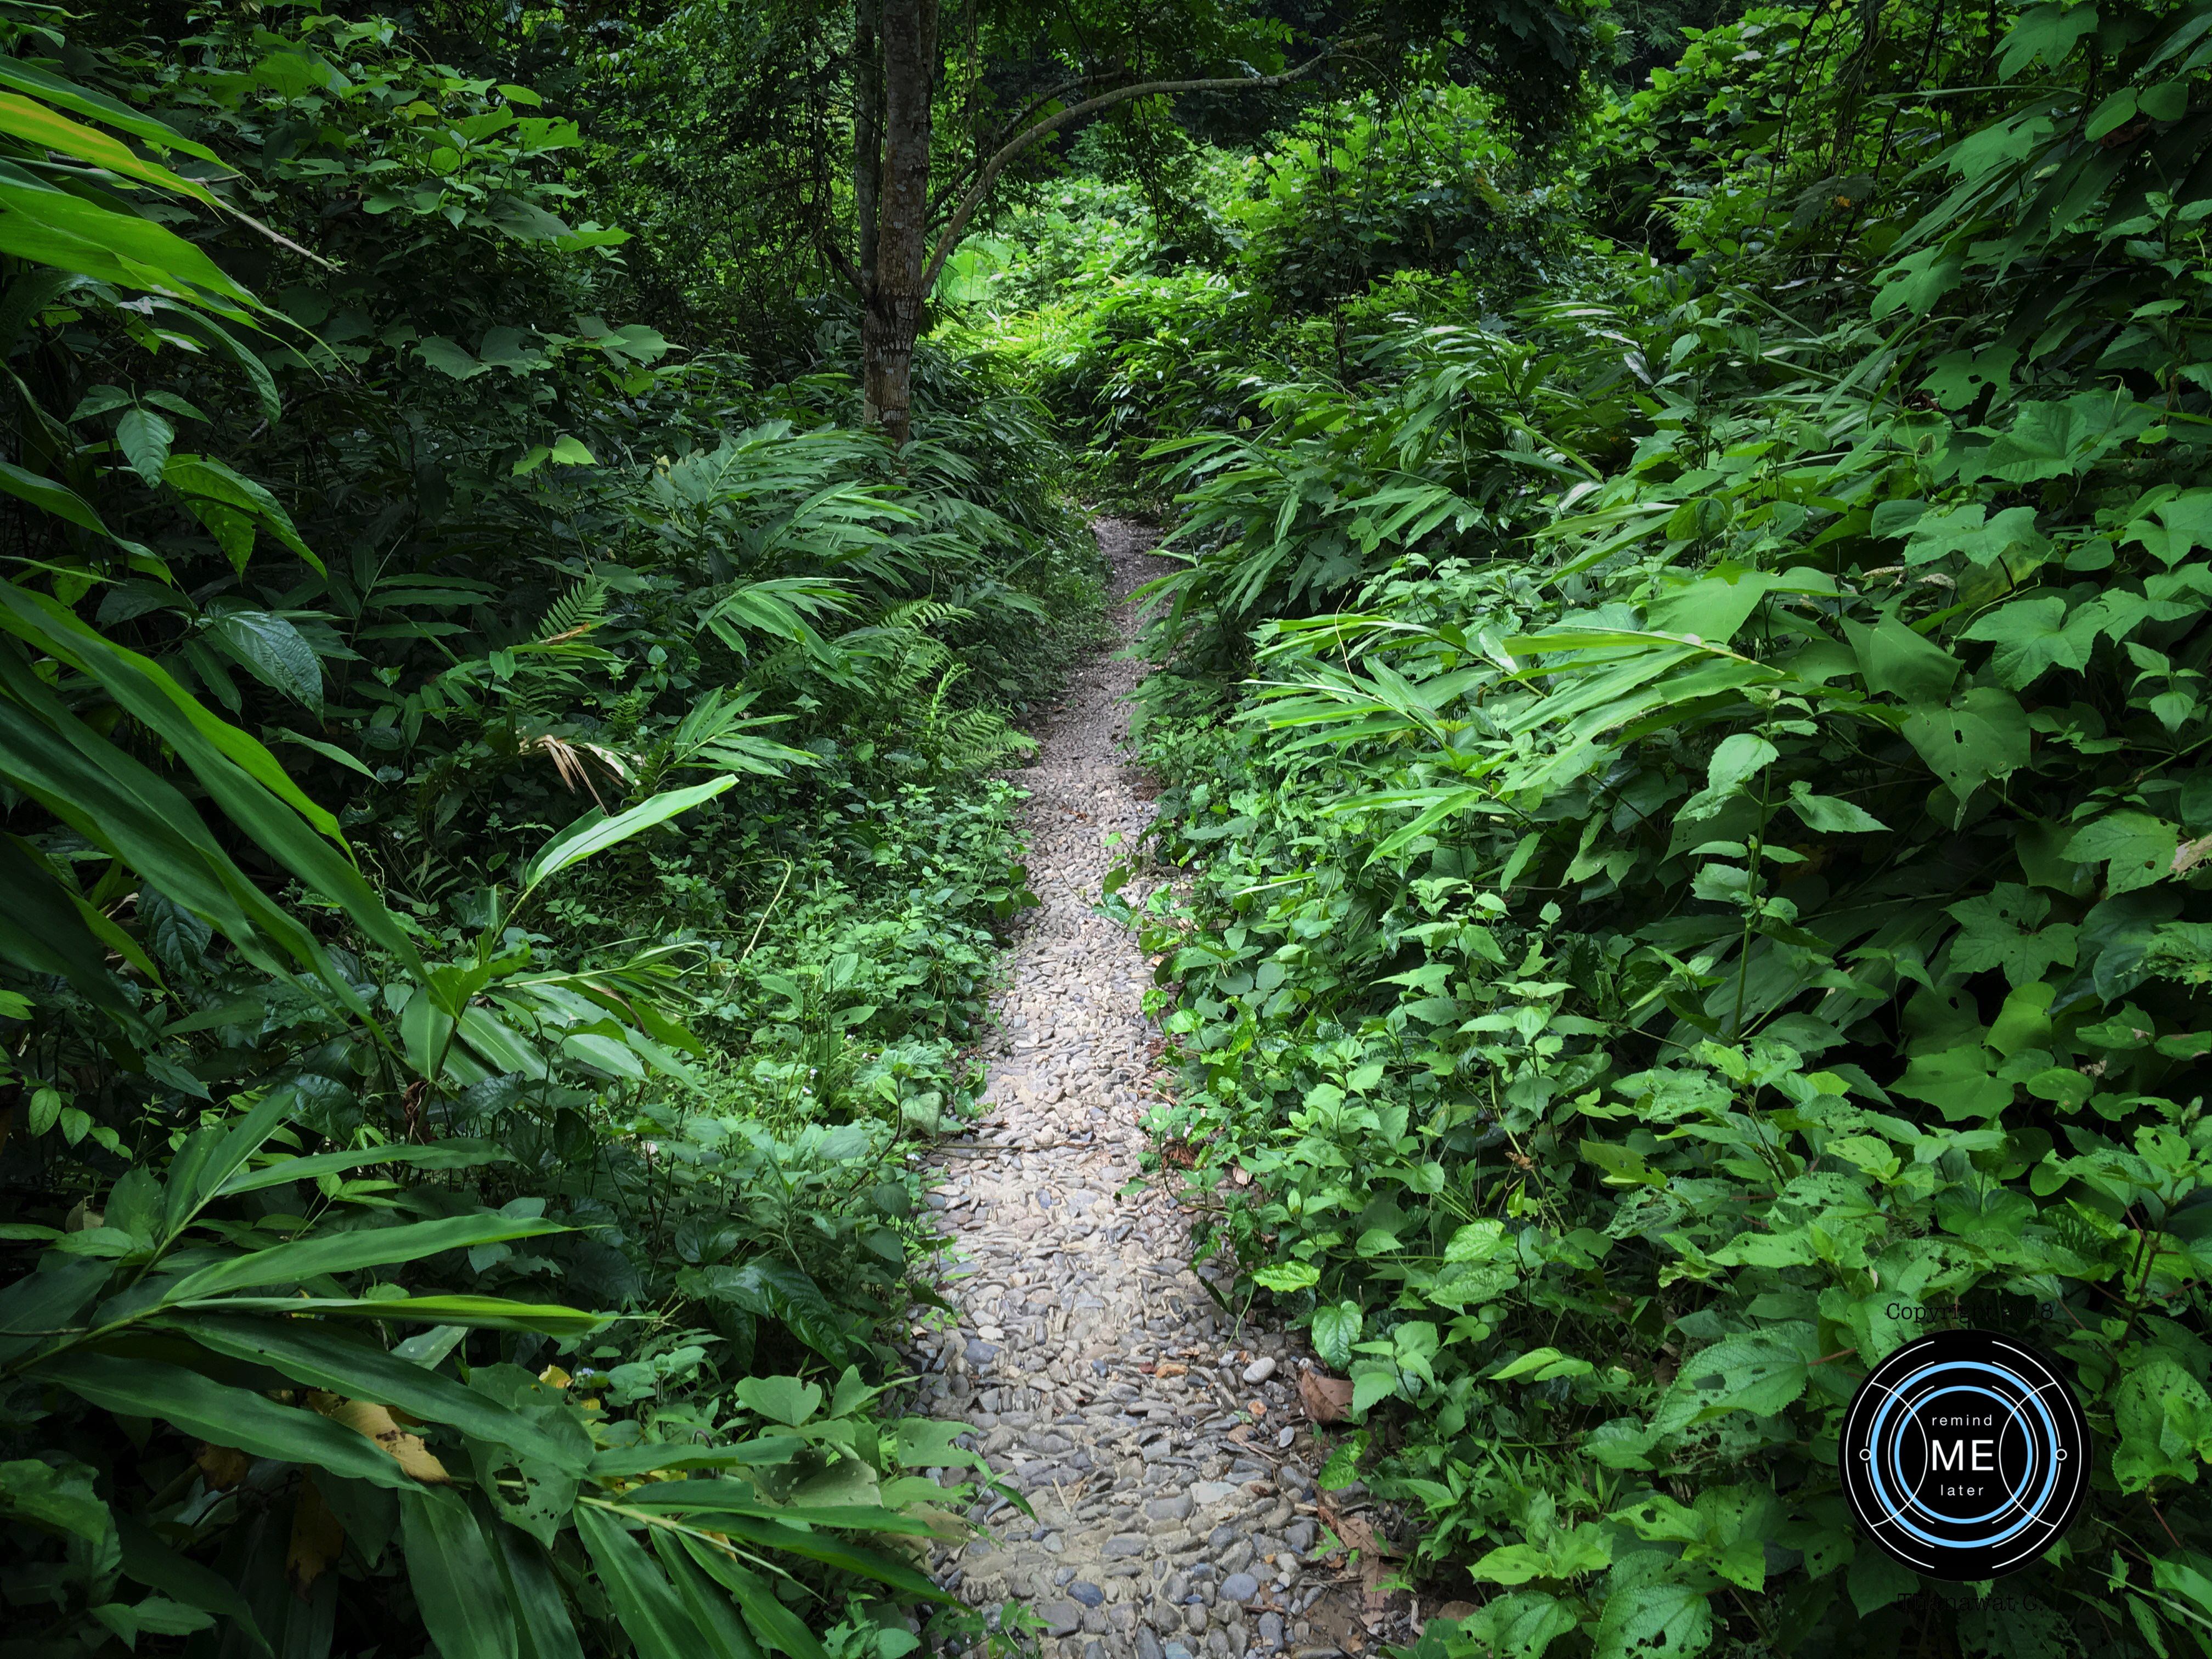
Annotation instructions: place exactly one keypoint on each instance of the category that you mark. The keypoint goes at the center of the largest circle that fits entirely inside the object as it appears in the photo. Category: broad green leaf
(149, 1560)
(58, 1500)
(1651, 1619)
(653, 1616)
(1983, 735)
(1520, 1625)
(595, 832)
(48, 496)
(145, 437)
(485, 1312)
(47, 1300)
(786, 1399)
(1896, 660)
(270, 648)
(2033, 637)
(533, 1590)
(350, 1252)
(1759, 1372)
(454, 1576)
(773, 1624)
(2136, 848)
(1336, 1327)
(722, 1631)
(2006, 929)
(1830, 815)
(324, 1359)
(221, 1415)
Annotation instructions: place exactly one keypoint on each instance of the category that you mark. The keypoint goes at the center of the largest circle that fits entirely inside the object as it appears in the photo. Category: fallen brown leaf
(1326, 1399)
(1171, 1370)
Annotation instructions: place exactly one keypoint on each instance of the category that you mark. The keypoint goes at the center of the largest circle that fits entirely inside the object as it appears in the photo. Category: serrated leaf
(273, 651)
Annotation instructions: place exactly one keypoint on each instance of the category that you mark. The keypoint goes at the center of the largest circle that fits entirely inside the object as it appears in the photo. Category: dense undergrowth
(1683, 718)
(1686, 744)
(502, 846)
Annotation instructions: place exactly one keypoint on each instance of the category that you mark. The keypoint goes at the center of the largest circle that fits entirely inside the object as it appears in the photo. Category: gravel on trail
(1160, 1441)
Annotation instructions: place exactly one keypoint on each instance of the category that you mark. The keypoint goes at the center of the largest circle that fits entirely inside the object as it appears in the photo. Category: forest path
(1162, 1448)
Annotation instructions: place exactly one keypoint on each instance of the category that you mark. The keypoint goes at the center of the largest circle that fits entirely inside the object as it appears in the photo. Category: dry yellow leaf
(378, 1424)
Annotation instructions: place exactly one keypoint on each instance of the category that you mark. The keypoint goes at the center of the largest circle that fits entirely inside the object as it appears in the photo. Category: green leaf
(595, 832)
(485, 1312)
(350, 1252)
(2033, 637)
(455, 1154)
(326, 1359)
(47, 1300)
(652, 1614)
(1520, 1625)
(567, 452)
(270, 648)
(2005, 929)
(145, 437)
(1336, 1327)
(1371, 1384)
(1756, 1371)
(723, 1632)
(1652, 1619)
(826, 1548)
(1894, 659)
(205, 479)
(1983, 735)
(2136, 849)
(454, 1576)
(533, 1590)
(48, 496)
(225, 1416)
(149, 1559)
(1829, 815)
(449, 358)
(1740, 757)
(60, 1501)
(775, 1624)
(786, 1399)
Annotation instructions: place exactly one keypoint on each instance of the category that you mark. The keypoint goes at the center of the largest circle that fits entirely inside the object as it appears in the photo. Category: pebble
(1096, 1366)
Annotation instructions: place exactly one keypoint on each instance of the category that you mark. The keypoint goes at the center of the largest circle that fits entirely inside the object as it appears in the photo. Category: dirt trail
(1162, 1448)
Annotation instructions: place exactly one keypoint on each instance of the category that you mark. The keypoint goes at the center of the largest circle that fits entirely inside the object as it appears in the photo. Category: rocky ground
(1160, 1441)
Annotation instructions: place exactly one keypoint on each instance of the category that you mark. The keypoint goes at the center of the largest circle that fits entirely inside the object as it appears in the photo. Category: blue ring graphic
(1895, 1512)
(2012, 1413)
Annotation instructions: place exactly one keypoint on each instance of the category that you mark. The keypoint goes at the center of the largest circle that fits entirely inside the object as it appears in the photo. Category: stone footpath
(1160, 1444)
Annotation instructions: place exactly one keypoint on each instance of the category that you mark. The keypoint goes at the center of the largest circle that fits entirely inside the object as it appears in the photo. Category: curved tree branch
(949, 238)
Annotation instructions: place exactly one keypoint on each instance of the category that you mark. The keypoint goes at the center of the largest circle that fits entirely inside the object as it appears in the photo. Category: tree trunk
(867, 135)
(892, 316)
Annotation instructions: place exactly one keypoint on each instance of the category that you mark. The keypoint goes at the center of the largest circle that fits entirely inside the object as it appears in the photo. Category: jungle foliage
(501, 850)
(1689, 828)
